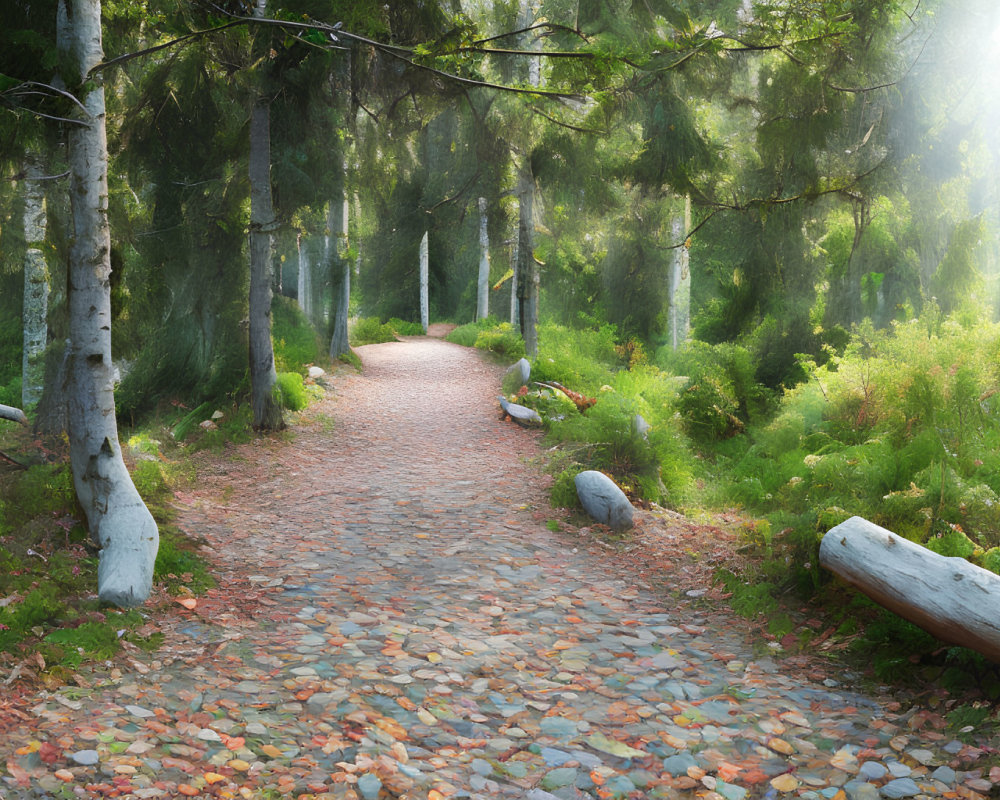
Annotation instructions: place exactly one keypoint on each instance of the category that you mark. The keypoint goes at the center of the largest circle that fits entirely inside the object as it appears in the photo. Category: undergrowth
(51, 621)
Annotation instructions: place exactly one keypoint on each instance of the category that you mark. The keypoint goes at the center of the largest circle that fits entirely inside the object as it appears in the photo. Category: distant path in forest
(395, 620)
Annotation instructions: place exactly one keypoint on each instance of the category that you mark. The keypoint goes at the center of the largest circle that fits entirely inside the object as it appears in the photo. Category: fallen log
(952, 599)
(13, 414)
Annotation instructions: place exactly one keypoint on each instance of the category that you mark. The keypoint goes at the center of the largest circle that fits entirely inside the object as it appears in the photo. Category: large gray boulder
(603, 500)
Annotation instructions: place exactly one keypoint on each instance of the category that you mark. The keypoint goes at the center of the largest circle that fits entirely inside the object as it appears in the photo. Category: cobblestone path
(395, 620)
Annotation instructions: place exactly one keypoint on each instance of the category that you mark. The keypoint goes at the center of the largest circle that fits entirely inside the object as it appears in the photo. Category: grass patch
(371, 330)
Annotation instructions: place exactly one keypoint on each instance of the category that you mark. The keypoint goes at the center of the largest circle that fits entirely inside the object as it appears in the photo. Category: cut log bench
(948, 597)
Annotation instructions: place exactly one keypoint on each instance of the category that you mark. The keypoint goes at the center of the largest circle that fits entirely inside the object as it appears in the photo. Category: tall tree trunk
(680, 279)
(424, 276)
(36, 287)
(483, 289)
(526, 271)
(118, 519)
(515, 314)
(339, 344)
(304, 286)
(266, 411)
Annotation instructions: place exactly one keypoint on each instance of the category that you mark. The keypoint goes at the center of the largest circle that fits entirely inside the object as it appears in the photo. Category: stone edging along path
(395, 620)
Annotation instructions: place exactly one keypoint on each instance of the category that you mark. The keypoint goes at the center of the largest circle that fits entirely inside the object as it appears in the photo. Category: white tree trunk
(956, 601)
(304, 288)
(424, 279)
(483, 289)
(36, 287)
(679, 316)
(514, 310)
(118, 519)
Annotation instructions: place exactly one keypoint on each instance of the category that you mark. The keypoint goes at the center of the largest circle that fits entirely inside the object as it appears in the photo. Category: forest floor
(397, 617)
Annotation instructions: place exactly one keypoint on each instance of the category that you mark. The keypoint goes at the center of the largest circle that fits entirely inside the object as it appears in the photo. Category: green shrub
(465, 335)
(583, 360)
(296, 342)
(404, 328)
(150, 480)
(291, 391)
(369, 330)
(721, 396)
(563, 492)
(952, 543)
(501, 339)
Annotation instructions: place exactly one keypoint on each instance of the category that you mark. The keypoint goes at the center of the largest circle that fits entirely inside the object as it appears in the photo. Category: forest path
(395, 620)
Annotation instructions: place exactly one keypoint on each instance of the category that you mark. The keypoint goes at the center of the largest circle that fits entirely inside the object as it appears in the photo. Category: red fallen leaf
(18, 773)
(49, 753)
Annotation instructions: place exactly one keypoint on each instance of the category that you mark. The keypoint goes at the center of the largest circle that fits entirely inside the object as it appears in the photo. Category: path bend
(396, 621)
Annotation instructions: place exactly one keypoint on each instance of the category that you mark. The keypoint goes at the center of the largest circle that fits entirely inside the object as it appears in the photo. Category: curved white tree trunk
(483, 289)
(36, 287)
(118, 519)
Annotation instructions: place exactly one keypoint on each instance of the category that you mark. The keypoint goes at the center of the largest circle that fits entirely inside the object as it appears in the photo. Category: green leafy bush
(465, 335)
(580, 359)
(501, 339)
(369, 330)
(721, 396)
(291, 391)
(296, 342)
(404, 328)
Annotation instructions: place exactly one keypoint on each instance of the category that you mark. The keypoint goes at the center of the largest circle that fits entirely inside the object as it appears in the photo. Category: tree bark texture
(304, 289)
(339, 344)
(515, 313)
(36, 287)
(526, 271)
(118, 519)
(483, 289)
(950, 598)
(424, 277)
(680, 280)
(266, 411)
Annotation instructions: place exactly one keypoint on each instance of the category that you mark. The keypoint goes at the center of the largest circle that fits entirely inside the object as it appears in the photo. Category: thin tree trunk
(118, 519)
(483, 290)
(680, 279)
(515, 318)
(304, 288)
(424, 279)
(266, 411)
(526, 271)
(339, 344)
(36, 287)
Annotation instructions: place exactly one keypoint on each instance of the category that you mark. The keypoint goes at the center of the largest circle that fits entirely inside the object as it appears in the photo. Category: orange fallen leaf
(187, 790)
(188, 602)
(235, 742)
(213, 777)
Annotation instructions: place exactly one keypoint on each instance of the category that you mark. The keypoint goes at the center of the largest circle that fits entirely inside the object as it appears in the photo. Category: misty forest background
(769, 227)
